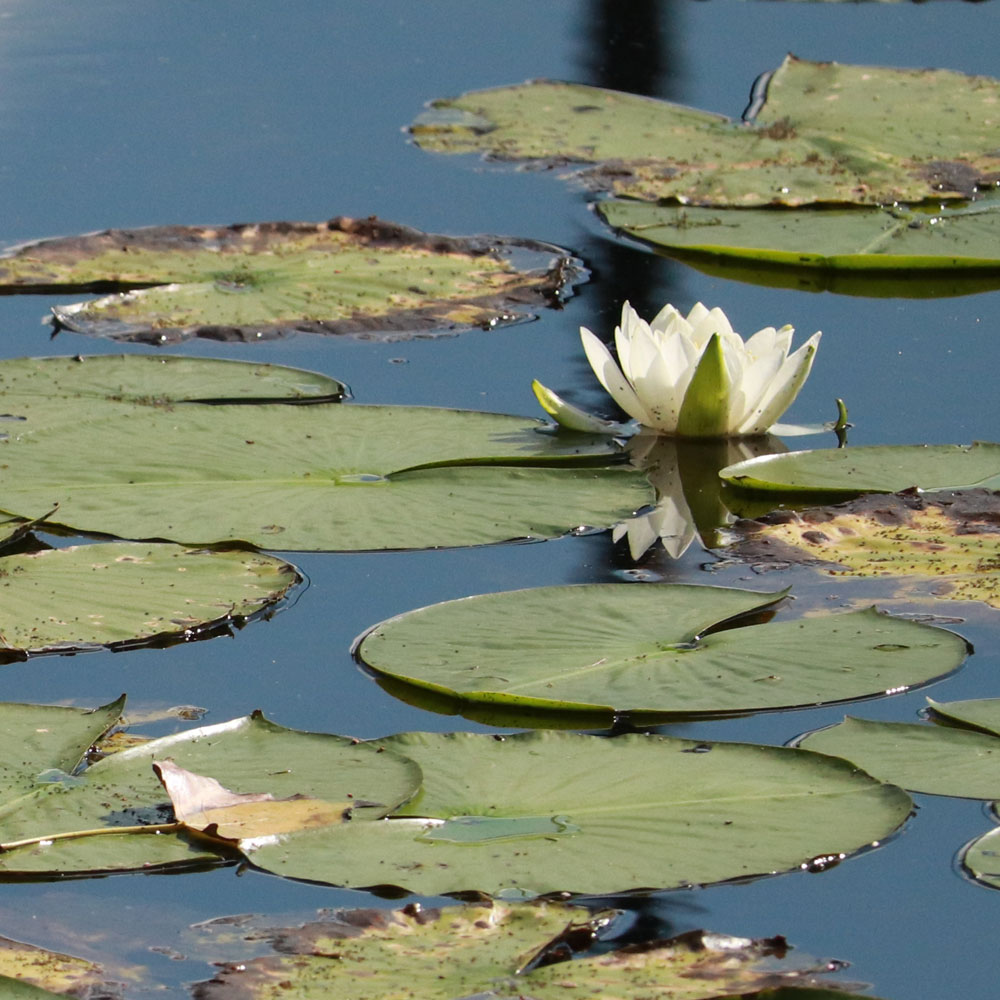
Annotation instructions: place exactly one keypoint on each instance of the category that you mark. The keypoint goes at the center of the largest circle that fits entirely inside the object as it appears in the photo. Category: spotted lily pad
(824, 132)
(367, 278)
(116, 816)
(116, 593)
(492, 951)
(656, 650)
(28, 972)
(870, 469)
(198, 470)
(541, 812)
(950, 538)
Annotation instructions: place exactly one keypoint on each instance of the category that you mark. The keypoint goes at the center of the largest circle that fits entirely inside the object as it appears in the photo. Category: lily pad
(870, 469)
(931, 759)
(28, 972)
(655, 650)
(982, 714)
(824, 132)
(493, 951)
(334, 477)
(981, 859)
(951, 538)
(853, 239)
(542, 812)
(367, 278)
(94, 822)
(116, 593)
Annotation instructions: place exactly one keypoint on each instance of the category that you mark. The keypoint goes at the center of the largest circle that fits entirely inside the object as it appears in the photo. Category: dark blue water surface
(116, 114)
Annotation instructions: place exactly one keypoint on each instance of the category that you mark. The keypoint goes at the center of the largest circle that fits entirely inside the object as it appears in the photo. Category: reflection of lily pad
(688, 813)
(935, 760)
(655, 649)
(952, 538)
(870, 469)
(825, 132)
(60, 600)
(541, 950)
(325, 476)
(248, 755)
(853, 239)
(248, 282)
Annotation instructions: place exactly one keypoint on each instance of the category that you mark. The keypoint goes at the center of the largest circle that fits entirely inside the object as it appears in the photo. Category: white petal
(611, 377)
(783, 389)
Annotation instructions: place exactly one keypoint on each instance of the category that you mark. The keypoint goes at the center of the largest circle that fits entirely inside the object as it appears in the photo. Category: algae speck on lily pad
(364, 277)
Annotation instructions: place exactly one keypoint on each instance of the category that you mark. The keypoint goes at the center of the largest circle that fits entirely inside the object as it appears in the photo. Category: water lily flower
(691, 376)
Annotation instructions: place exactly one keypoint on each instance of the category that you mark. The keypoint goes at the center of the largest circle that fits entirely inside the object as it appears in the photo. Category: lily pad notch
(365, 278)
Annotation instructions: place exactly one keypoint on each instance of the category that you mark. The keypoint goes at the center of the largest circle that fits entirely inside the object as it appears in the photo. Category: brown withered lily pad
(951, 537)
(366, 278)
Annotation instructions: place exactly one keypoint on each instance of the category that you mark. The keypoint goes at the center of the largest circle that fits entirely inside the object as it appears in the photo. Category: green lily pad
(978, 713)
(651, 650)
(690, 813)
(825, 132)
(981, 859)
(852, 239)
(950, 538)
(870, 469)
(493, 951)
(365, 277)
(334, 477)
(115, 593)
(931, 759)
(87, 823)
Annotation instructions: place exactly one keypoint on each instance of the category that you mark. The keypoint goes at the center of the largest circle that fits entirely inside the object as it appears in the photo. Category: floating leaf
(497, 951)
(929, 759)
(981, 859)
(825, 132)
(28, 972)
(651, 650)
(870, 469)
(36, 738)
(952, 538)
(250, 282)
(290, 477)
(202, 803)
(853, 239)
(95, 823)
(542, 812)
(60, 600)
(979, 713)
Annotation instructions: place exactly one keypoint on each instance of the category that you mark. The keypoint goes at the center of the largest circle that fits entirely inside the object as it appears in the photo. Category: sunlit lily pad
(651, 650)
(493, 951)
(949, 538)
(115, 593)
(935, 760)
(540, 812)
(870, 469)
(854, 239)
(825, 132)
(325, 476)
(367, 278)
(116, 816)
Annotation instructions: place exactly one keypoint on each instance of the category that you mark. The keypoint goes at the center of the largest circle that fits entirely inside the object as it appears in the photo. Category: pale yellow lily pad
(950, 537)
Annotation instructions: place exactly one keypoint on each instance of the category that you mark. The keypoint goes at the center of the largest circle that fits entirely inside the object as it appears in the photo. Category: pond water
(118, 116)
